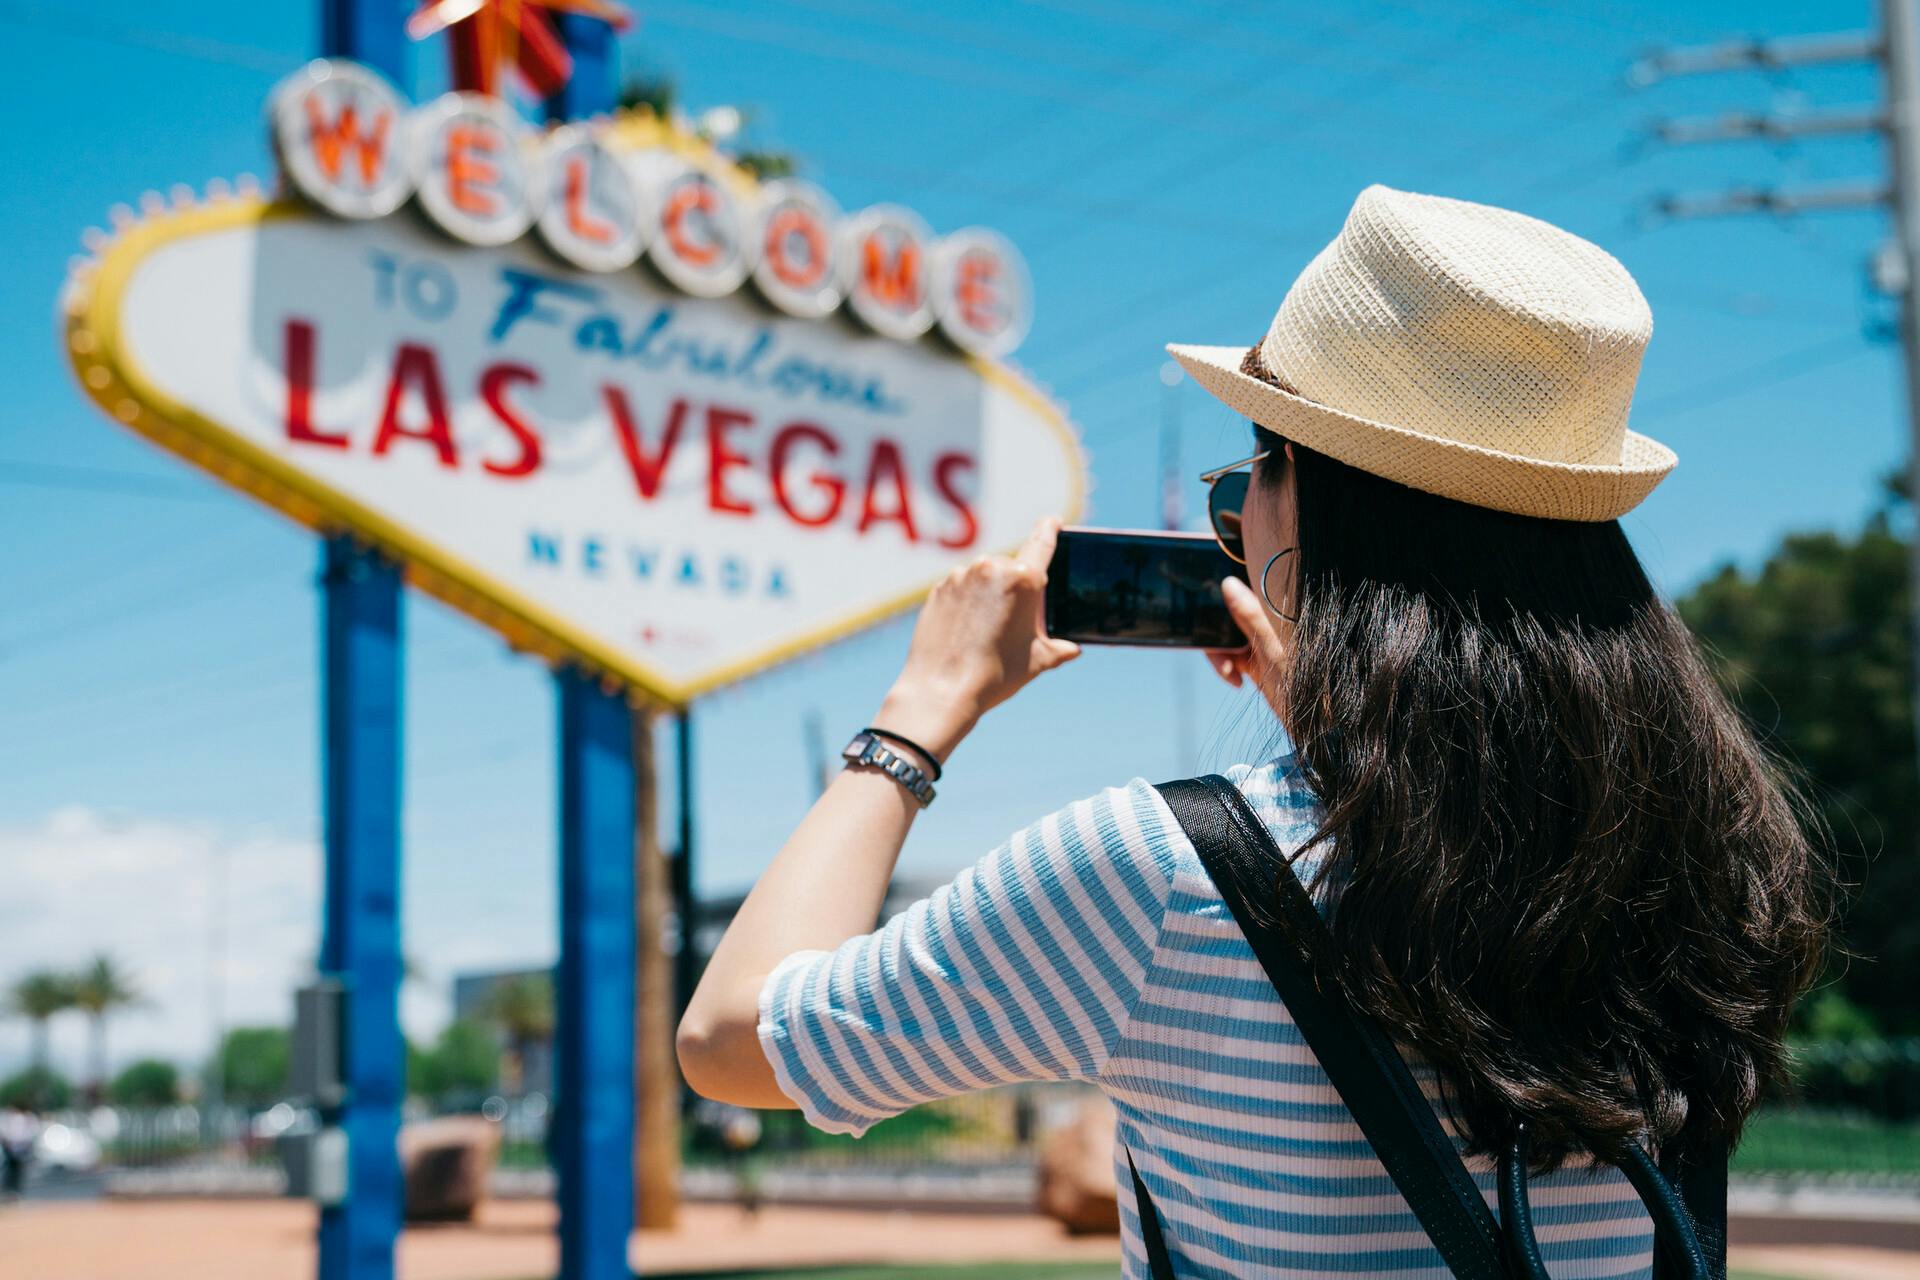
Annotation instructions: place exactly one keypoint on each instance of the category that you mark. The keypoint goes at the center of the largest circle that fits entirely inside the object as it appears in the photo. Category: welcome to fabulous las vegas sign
(596, 386)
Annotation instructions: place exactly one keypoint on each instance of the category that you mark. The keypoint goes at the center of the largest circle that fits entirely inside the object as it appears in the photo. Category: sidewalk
(513, 1240)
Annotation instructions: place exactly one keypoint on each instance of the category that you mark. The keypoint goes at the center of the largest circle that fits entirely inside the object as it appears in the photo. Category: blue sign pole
(362, 700)
(594, 1081)
(594, 86)
(360, 939)
(594, 1110)
(373, 32)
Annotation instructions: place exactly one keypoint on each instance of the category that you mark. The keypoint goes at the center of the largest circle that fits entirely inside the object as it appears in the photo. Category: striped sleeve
(1025, 967)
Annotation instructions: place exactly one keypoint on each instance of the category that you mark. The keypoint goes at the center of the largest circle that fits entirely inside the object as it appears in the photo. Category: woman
(1552, 860)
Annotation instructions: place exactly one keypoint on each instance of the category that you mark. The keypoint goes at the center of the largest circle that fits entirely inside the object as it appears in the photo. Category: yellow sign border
(111, 379)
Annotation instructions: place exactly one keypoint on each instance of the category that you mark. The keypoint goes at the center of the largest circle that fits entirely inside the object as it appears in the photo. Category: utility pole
(213, 1105)
(1172, 516)
(1902, 71)
(1896, 119)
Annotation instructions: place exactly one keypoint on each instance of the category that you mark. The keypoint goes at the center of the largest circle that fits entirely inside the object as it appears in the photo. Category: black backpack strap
(1702, 1184)
(1159, 1264)
(1287, 936)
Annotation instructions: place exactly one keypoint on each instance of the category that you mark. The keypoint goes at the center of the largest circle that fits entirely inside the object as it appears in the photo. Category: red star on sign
(484, 34)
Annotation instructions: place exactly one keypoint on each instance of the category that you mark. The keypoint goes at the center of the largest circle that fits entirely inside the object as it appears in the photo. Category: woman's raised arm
(980, 639)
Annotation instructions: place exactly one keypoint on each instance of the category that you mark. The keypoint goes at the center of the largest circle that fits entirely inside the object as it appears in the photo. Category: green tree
(149, 1082)
(37, 1088)
(522, 1007)
(101, 988)
(659, 95)
(465, 1059)
(253, 1063)
(1814, 648)
(37, 997)
(654, 93)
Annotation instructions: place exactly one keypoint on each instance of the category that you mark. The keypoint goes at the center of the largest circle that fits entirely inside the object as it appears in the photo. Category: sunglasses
(1224, 501)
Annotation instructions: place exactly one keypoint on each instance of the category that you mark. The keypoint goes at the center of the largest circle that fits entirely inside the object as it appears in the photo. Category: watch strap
(868, 750)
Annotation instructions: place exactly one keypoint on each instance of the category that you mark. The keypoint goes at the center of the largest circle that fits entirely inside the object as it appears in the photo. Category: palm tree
(100, 988)
(655, 93)
(522, 1007)
(659, 95)
(37, 996)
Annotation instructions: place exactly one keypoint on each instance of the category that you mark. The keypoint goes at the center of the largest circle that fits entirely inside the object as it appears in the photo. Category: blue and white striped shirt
(1093, 946)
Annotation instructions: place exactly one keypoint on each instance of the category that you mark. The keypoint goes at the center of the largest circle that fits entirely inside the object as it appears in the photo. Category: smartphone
(1119, 586)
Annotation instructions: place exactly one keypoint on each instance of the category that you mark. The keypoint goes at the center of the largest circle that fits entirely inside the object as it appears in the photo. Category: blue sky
(1165, 169)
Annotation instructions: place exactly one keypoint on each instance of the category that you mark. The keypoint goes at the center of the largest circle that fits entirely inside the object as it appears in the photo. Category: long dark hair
(1562, 869)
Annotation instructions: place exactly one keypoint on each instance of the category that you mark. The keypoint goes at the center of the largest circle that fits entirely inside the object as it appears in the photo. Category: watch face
(857, 748)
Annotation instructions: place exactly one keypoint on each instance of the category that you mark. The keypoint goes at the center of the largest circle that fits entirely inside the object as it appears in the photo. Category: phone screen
(1113, 586)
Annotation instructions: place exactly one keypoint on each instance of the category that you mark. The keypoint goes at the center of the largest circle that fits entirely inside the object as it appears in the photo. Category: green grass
(971, 1271)
(1813, 1142)
(989, 1271)
(985, 1271)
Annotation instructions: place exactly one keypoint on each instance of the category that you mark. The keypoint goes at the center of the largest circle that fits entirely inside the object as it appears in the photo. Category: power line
(1770, 371)
(797, 39)
(993, 38)
(52, 475)
(166, 600)
(70, 23)
(1146, 304)
(1895, 50)
(1406, 69)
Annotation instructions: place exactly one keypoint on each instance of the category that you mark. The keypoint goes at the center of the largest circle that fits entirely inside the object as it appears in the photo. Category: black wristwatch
(868, 749)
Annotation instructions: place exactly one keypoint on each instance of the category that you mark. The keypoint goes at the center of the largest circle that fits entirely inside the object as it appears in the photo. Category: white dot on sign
(81, 340)
(126, 411)
(1171, 374)
(982, 293)
(98, 377)
(884, 271)
(701, 243)
(479, 177)
(338, 132)
(594, 214)
(795, 268)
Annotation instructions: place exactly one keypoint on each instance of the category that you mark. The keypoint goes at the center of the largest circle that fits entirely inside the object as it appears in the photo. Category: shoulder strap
(1159, 1264)
(1287, 934)
(1687, 1198)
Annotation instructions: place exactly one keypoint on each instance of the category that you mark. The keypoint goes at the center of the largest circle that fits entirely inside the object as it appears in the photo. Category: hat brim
(1464, 472)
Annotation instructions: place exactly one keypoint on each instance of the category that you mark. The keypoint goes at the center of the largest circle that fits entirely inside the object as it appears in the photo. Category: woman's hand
(1261, 660)
(980, 638)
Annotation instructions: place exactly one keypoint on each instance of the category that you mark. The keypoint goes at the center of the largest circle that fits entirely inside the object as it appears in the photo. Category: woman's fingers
(1251, 616)
(1053, 653)
(1037, 551)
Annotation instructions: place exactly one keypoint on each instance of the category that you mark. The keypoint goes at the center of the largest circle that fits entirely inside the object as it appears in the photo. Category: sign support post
(360, 938)
(593, 88)
(656, 1142)
(362, 700)
(686, 961)
(593, 1114)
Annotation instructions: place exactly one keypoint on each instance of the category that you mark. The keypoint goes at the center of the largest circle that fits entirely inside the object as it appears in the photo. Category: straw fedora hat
(1460, 349)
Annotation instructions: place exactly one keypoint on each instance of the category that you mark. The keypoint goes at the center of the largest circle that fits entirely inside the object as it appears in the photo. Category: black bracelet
(933, 761)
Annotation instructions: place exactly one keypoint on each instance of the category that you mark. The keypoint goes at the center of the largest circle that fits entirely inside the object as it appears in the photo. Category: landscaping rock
(446, 1163)
(1076, 1172)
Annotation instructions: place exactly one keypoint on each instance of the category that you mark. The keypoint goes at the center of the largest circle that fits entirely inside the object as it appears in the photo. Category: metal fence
(1850, 1112)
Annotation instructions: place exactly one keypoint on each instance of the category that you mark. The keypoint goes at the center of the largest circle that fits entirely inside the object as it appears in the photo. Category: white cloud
(145, 891)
